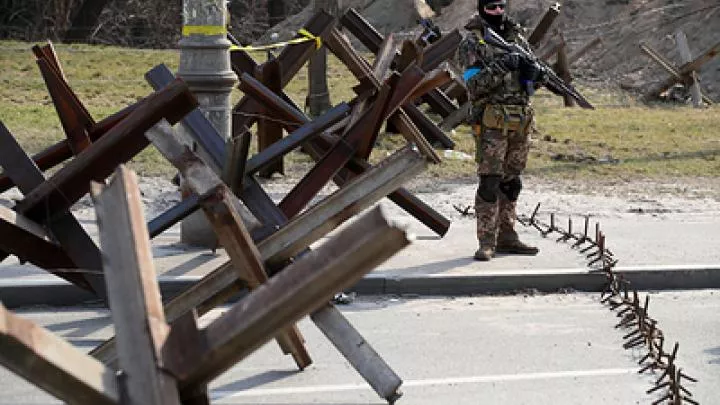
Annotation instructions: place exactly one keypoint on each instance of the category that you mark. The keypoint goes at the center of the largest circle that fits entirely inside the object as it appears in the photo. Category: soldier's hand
(511, 61)
(532, 71)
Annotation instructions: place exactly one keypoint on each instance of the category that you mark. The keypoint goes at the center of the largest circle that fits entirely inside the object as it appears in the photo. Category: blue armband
(470, 72)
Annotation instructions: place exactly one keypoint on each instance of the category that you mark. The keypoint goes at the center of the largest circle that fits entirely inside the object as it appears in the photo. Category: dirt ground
(666, 200)
(621, 25)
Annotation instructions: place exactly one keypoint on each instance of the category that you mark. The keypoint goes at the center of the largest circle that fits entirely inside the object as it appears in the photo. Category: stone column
(205, 67)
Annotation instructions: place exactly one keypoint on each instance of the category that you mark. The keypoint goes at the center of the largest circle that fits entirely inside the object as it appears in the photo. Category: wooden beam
(24, 238)
(575, 56)
(54, 365)
(66, 230)
(299, 233)
(74, 117)
(678, 75)
(121, 144)
(300, 289)
(686, 56)
(199, 177)
(297, 138)
(133, 291)
(246, 260)
(543, 27)
(348, 341)
(269, 131)
(361, 69)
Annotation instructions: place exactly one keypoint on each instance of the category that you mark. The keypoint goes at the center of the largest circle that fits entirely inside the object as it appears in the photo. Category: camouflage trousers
(502, 153)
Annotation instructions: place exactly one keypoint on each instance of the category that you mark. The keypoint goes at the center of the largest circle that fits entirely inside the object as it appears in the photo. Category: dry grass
(619, 140)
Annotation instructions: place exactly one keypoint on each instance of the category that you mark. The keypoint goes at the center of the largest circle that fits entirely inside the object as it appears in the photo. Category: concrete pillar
(318, 94)
(205, 67)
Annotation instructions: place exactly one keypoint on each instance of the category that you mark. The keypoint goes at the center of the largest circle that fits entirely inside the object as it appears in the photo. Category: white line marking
(255, 392)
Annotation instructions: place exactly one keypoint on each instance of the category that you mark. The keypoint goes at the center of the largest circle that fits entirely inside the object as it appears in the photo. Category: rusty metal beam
(542, 28)
(372, 39)
(53, 364)
(303, 287)
(362, 70)
(77, 244)
(403, 198)
(121, 144)
(297, 138)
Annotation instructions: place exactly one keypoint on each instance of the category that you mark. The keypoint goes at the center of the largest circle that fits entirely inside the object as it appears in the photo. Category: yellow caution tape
(188, 30)
(307, 36)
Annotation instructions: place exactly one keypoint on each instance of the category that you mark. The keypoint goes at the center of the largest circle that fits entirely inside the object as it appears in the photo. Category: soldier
(500, 85)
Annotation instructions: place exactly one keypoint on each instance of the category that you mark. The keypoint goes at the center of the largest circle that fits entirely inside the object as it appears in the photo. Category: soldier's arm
(484, 70)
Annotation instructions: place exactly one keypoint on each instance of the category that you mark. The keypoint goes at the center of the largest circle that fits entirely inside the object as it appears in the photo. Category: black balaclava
(495, 21)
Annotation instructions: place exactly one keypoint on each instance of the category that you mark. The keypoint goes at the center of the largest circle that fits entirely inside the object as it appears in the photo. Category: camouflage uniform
(500, 117)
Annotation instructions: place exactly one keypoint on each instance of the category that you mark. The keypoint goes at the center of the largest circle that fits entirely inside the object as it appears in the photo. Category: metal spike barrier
(619, 296)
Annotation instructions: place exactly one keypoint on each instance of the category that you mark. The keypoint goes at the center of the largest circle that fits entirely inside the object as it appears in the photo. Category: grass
(619, 140)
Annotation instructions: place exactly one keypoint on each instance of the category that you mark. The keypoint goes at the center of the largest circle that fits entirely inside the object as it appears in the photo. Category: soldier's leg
(510, 187)
(491, 150)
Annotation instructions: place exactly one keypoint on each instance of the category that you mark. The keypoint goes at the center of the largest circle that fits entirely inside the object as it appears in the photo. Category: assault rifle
(554, 83)
(431, 32)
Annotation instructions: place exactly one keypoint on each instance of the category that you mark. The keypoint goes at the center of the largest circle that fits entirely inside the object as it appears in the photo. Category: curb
(56, 292)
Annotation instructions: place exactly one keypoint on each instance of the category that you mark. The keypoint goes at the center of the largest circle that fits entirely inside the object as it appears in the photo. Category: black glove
(532, 75)
(531, 71)
(511, 61)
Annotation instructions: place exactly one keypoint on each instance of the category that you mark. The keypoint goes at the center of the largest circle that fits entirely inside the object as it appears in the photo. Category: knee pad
(511, 188)
(489, 186)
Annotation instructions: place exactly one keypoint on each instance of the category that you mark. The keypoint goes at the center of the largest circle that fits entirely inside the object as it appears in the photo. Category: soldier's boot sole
(516, 248)
(484, 255)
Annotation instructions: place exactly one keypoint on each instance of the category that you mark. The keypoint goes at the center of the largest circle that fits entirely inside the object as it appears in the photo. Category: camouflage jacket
(493, 84)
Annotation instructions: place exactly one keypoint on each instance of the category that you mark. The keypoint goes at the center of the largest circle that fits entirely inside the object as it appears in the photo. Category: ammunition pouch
(507, 118)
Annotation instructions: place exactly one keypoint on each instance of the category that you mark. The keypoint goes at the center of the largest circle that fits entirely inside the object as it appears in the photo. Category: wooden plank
(456, 118)
(246, 259)
(384, 57)
(194, 122)
(121, 144)
(236, 160)
(670, 68)
(297, 138)
(54, 365)
(406, 201)
(373, 40)
(577, 55)
(198, 176)
(361, 69)
(74, 118)
(269, 131)
(174, 215)
(679, 75)
(353, 345)
(686, 56)
(301, 288)
(133, 291)
(24, 238)
(299, 233)
(68, 232)
(543, 27)
(358, 138)
(562, 68)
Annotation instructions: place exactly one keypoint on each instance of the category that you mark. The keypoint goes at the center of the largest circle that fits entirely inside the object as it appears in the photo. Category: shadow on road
(251, 382)
(431, 268)
(714, 352)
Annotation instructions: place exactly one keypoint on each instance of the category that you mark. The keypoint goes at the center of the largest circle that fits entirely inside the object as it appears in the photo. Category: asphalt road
(561, 349)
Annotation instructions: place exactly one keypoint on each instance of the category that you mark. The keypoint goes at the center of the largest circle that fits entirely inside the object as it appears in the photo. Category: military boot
(508, 241)
(485, 253)
(486, 213)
